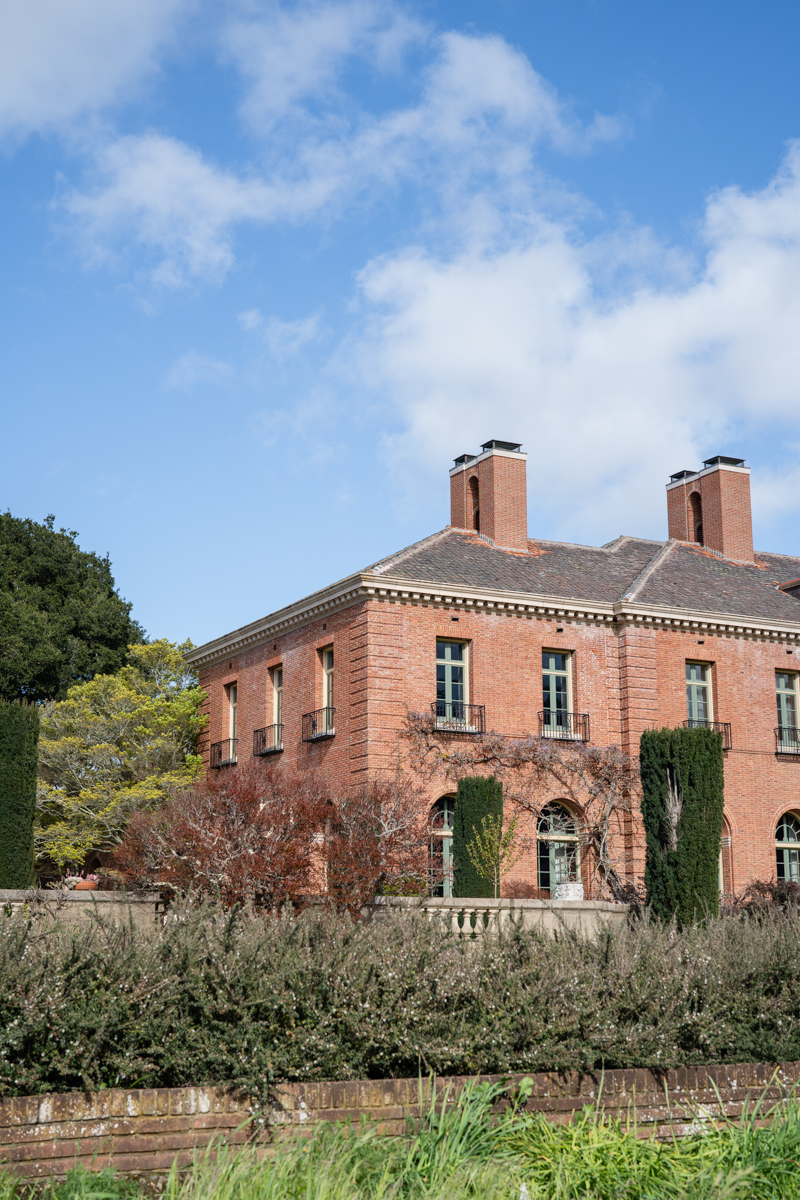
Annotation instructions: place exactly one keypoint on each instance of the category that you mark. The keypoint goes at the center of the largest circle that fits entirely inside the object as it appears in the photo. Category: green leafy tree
(61, 618)
(682, 803)
(492, 852)
(19, 736)
(116, 745)
(478, 796)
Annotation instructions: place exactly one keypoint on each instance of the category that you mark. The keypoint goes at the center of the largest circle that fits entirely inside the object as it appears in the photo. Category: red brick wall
(627, 677)
(145, 1131)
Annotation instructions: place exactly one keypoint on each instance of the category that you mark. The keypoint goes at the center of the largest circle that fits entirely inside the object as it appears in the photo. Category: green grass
(460, 1153)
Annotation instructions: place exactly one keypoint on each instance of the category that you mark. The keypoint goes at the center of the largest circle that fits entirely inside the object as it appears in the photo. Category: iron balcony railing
(223, 754)
(457, 717)
(787, 740)
(268, 740)
(318, 724)
(722, 727)
(564, 726)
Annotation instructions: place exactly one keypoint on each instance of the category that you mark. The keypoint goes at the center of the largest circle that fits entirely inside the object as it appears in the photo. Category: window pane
(786, 686)
(788, 829)
(450, 680)
(697, 701)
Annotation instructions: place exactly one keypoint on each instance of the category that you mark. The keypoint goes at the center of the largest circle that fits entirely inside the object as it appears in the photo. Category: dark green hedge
(19, 756)
(215, 999)
(682, 880)
(477, 797)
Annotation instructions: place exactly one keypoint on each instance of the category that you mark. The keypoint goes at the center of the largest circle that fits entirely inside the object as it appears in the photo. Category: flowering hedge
(224, 998)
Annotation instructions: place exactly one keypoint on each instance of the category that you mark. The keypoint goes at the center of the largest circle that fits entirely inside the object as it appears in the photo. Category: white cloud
(168, 199)
(284, 338)
(291, 57)
(60, 59)
(481, 111)
(193, 368)
(610, 391)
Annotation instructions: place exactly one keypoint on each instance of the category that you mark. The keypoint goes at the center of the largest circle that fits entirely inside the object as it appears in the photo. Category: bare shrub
(377, 841)
(246, 836)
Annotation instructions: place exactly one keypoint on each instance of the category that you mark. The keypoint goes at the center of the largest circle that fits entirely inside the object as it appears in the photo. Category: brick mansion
(484, 629)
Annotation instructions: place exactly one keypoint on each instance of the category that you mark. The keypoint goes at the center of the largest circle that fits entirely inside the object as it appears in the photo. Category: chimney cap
(465, 458)
(681, 475)
(723, 460)
(494, 444)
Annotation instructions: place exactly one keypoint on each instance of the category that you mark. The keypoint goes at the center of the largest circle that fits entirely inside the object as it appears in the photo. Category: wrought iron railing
(564, 726)
(456, 717)
(223, 754)
(318, 724)
(268, 740)
(722, 727)
(787, 740)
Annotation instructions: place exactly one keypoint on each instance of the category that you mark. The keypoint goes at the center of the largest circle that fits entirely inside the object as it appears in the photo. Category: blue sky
(269, 267)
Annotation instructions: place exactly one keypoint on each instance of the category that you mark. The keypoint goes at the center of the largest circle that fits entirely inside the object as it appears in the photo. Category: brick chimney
(488, 494)
(712, 507)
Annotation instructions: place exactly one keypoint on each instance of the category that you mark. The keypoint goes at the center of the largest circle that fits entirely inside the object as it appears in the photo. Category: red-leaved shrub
(247, 835)
(268, 837)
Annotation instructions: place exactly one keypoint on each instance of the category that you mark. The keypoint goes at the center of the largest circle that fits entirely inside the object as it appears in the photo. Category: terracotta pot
(85, 885)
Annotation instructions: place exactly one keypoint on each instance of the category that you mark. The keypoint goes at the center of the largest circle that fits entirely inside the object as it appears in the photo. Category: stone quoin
(487, 628)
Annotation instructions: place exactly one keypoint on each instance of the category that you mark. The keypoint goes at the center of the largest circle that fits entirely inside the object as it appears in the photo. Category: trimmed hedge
(682, 771)
(19, 757)
(477, 797)
(220, 998)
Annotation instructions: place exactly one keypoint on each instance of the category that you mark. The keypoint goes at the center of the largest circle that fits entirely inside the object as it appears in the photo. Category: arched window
(787, 848)
(475, 502)
(557, 846)
(696, 517)
(442, 815)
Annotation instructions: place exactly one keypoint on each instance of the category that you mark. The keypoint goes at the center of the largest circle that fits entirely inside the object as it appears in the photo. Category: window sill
(271, 750)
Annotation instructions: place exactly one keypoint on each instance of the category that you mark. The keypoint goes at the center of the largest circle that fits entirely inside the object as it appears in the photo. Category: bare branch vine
(599, 783)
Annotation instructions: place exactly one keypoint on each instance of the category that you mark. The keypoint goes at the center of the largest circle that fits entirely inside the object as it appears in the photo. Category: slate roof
(671, 574)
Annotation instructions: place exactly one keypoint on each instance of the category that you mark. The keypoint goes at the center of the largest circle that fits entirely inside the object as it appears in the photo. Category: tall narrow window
(787, 848)
(696, 518)
(786, 696)
(475, 504)
(451, 684)
(232, 691)
(698, 694)
(327, 678)
(556, 714)
(557, 841)
(277, 694)
(442, 815)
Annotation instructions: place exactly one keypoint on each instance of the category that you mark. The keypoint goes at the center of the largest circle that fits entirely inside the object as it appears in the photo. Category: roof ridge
(607, 548)
(383, 564)
(643, 576)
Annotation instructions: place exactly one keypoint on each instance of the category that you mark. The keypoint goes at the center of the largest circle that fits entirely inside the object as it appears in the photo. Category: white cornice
(487, 454)
(367, 586)
(723, 624)
(690, 479)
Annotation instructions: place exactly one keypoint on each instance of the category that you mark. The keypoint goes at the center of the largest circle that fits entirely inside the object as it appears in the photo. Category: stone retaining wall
(50, 904)
(144, 1131)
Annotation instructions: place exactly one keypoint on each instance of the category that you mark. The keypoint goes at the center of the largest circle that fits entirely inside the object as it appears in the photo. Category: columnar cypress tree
(477, 797)
(682, 802)
(19, 752)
